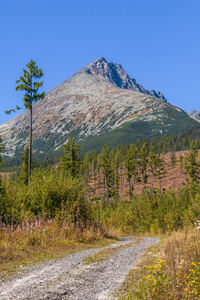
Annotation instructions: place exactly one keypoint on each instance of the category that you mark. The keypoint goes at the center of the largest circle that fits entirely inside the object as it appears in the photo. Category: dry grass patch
(41, 240)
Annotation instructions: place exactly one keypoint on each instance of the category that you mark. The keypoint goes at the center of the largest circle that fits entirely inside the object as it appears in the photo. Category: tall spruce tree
(132, 165)
(159, 168)
(1, 148)
(192, 165)
(94, 160)
(173, 162)
(152, 159)
(71, 161)
(1, 161)
(106, 169)
(30, 85)
(24, 167)
(144, 151)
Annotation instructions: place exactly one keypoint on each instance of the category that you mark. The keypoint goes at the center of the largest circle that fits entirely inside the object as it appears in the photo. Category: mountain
(98, 104)
(194, 114)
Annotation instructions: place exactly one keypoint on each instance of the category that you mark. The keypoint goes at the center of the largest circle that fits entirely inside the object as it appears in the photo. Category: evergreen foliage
(192, 165)
(107, 169)
(24, 166)
(30, 87)
(70, 162)
(1, 149)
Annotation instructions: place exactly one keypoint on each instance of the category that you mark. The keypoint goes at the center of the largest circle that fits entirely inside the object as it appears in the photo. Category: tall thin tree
(71, 161)
(30, 85)
(1, 148)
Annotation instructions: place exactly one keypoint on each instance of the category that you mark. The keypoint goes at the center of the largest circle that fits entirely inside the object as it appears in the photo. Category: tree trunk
(107, 196)
(130, 190)
(30, 147)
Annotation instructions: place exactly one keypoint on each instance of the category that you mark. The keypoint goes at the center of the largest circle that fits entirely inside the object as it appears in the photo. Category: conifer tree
(131, 165)
(152, 159)
(192, 165)
(144, 151)
(70, 162)
(85, 166)
(94, 162)
(30, 85)
(174, 141)
(24, 167)
(173, 163)
(99, 169)
(117, 162)
(158, 168)
(181, 163)
(106, 169)
(1, 149)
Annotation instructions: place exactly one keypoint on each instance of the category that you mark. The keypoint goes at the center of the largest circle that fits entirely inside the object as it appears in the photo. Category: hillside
(99, 104)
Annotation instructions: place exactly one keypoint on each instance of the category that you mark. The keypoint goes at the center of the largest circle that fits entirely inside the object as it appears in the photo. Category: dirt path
(71, 278)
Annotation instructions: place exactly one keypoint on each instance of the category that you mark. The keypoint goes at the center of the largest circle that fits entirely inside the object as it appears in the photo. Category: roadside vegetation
(169, 270)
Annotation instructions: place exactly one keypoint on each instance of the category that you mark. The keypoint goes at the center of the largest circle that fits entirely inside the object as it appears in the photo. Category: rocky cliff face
(194, 114)
(98, 99)
(116, 75)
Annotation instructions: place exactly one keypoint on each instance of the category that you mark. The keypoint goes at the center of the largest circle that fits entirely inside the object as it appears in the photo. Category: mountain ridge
(100, 100)
(117, 76)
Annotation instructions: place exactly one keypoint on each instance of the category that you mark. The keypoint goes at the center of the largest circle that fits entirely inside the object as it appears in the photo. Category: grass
(170, 270)
(106, 253)
(41, 240)
(102, 255)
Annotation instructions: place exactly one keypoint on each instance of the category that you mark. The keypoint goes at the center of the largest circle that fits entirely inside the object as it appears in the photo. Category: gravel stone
(70, 278)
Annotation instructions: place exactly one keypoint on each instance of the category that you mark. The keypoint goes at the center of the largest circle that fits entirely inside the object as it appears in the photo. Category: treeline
(125, 165)
(165, 144)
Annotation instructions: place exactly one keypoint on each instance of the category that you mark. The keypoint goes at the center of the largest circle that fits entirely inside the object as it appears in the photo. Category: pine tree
(132, 166)
(158, 168)
(1, 149)
(85, 166)
(192, 165)
(152, 159)
(107, 169)
(117, 163)
(94, 161)
(181, 163)
(173, 163)
(70, 162)
(24, 167)
(28, 84)
(155, 162)
(144, 151)
(1, 161)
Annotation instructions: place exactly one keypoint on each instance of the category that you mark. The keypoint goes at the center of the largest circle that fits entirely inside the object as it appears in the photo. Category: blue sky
(157, 42)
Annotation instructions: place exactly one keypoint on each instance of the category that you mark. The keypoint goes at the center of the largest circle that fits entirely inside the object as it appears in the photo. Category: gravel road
(70, 278)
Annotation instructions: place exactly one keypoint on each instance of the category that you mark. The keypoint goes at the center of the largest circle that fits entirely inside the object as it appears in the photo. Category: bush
(48, 194)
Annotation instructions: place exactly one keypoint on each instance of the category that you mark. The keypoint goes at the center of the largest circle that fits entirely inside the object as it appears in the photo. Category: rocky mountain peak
(115, 74)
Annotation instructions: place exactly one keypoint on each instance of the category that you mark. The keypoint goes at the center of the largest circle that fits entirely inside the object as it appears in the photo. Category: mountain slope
(98, 104)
